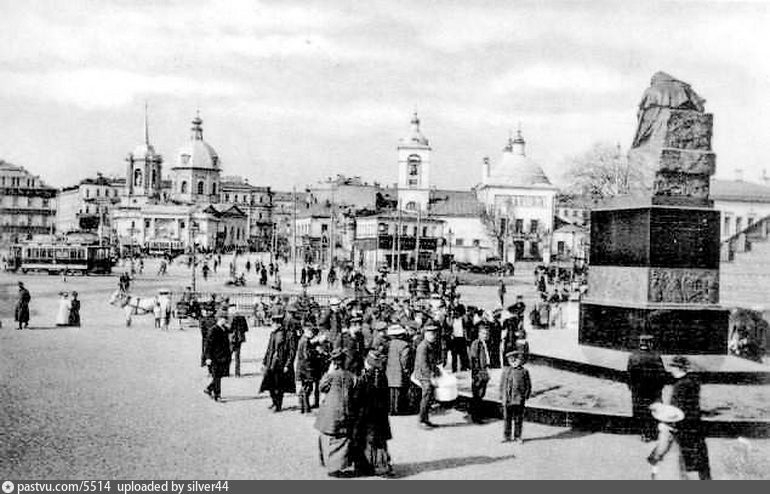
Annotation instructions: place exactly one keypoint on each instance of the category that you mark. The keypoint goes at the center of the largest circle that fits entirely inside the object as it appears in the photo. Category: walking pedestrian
(515, 390)
(279, 363)
(336, 416)
(685, 395)
(306, 366)
(352, 342)
(479, 356)
(74, 319)
(217, 357)
(666, 457)
(21, 311)
(238, 329)
(501, 292)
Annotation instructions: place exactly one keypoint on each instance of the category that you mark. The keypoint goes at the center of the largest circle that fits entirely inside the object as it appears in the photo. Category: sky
(293, 92)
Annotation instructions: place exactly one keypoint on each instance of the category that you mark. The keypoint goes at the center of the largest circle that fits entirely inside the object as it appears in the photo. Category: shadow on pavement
(408, 469)
(228, 399)
(568, 434)
(546, 390)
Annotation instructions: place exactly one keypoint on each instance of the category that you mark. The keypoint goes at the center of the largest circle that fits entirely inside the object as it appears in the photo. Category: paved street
(106, 401)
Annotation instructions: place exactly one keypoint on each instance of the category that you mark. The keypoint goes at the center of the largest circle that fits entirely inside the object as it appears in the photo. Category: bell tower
(143, 170)
(414, 156)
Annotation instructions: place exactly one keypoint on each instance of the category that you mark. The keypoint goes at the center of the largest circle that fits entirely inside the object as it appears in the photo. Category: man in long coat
(352, 342)
(425, 371)
(646, 378)
(217, 355)
(398, 368)
(479, 356)
(279, 364)
(21, 312)
(685, 395)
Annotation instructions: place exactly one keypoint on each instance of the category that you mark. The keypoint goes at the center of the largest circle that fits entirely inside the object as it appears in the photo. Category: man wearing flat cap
(646, 378)
(479, 356)
(425, 371)
(398, 367)
(352, 342)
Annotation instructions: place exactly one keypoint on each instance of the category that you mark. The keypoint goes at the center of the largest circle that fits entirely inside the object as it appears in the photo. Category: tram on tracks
(61, 256)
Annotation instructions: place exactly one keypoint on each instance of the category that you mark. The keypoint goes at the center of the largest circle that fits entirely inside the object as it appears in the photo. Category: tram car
(54, 256)
(171, 248)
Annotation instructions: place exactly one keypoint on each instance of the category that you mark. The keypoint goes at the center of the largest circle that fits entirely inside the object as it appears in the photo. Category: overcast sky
(292, 92)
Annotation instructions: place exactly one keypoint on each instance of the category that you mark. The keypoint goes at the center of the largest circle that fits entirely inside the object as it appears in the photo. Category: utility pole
(417, 244)
(294, 232)
(398, 246)
(193, 229)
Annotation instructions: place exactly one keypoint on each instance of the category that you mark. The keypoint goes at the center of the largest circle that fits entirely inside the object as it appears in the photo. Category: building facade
(27, 205)
(88, 205)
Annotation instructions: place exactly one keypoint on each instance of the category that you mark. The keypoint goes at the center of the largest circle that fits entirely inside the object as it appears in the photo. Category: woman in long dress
(63, 315)
(336, 418)
(373, 428)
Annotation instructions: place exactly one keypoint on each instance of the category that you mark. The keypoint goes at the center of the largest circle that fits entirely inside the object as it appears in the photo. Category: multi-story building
(193, 214)
(257, 203)
(88, 205)
(27, 205)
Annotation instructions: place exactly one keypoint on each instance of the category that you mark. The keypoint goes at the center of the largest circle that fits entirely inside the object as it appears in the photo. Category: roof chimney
(739, 174)
(485, 169)
(765, 177)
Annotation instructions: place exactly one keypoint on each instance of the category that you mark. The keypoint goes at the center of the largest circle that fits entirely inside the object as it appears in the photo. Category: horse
(133, 305)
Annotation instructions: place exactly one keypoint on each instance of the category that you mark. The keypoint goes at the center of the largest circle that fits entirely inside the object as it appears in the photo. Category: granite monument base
(694, 330)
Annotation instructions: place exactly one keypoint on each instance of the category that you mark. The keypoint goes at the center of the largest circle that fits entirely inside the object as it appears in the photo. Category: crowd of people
(371, 358)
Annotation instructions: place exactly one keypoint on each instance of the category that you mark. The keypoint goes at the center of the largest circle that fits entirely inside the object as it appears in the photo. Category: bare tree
(605, 171)
(497, 227)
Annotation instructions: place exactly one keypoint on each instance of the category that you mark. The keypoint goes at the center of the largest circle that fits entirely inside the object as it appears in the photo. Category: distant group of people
(68, 312)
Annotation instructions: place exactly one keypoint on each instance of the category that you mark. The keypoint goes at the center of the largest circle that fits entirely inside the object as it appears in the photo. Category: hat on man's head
(432, 328)
(356, 317)
(514, 354)
(666, 413)
(337, 354)
(680, 362)
(277, 315)
(379, 326)
(396, 330)
(374, 359)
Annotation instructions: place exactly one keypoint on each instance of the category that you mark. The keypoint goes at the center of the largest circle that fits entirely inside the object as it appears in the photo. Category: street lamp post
(194, 228)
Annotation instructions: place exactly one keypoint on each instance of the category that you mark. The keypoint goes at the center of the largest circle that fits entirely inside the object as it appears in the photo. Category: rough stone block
(687, 162)
(689, 129)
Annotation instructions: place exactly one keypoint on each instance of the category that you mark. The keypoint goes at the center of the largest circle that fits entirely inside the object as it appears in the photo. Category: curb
(622, 424)
(740, 378)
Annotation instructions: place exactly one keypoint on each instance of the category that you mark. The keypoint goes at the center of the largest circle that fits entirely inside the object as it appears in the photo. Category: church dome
(197, 153)
(415, 137)
(516, 169)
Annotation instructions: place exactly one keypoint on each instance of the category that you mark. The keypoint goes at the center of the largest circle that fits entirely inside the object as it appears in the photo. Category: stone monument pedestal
(654, 262)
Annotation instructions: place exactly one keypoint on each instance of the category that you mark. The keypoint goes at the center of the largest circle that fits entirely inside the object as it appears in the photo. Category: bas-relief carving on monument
(687, 161)
(682, 185)
(684, 286)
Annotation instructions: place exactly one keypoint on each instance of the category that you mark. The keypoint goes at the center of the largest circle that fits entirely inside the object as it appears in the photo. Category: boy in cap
(515, 390)
(425, 371)
(306, 366)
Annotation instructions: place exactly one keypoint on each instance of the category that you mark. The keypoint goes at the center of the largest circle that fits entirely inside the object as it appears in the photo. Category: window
(425, 231)
(147, 223)
(154, 179)
(181, 224)
(412, 182)
(185, 159)
(726, 228)
(200, 188)
(88, 193)
(137, 178)
(519, 226)
(413, 165)
(213, 189)
(560, 248)
(533, 250)
(324, 228)
(738, 224)
(476, 242)
(533, 224)
(459, 242)
(98, 192)
(183, 187)
(411, 206)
